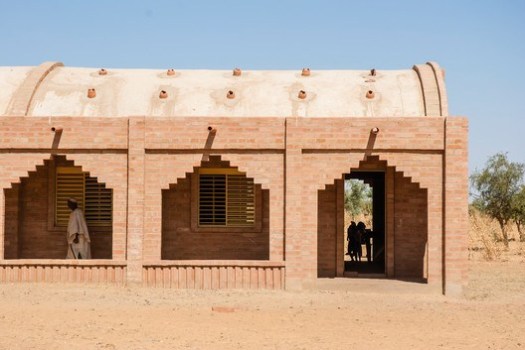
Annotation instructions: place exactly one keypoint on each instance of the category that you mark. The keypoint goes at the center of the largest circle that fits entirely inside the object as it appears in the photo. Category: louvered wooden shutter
(226, 200)
(70, 182)
(212, 199)
(241, 201)
(94, 199)
(98, 203)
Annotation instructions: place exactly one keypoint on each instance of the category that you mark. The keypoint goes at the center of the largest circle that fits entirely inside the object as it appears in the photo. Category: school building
(230, 179)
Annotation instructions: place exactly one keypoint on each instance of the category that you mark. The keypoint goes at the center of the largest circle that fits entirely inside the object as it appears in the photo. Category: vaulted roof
(52, 89)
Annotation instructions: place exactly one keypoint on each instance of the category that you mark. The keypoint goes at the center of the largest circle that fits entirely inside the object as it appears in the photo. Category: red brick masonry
(290, 159)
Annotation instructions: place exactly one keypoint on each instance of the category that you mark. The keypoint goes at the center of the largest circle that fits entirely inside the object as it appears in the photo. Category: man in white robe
(79, 243)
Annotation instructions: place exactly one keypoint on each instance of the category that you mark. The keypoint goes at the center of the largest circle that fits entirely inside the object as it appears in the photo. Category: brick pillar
(301, 214)
(340, 228)
(2, 225)
(293, 225)
(135, 228)
(11, 222)
(390, 222)
(456, 206)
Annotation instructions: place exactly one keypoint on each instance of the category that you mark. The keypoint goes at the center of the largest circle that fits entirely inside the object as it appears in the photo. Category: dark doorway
(397, 219)
(366, 256)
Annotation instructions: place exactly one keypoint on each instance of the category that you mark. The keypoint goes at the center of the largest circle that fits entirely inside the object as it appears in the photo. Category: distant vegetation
(358, 199)
(499, 192)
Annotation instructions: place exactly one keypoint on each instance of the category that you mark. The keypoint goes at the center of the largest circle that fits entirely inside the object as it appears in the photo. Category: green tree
(495, 186)
(519, 211)
(358, 198)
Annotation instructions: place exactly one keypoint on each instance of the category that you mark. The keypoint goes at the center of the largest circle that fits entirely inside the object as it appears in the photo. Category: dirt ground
(371, 314)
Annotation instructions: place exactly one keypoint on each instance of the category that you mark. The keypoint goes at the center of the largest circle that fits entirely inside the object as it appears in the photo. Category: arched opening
(215, 213)
(364, 222)
(394, 241)
(36, 212)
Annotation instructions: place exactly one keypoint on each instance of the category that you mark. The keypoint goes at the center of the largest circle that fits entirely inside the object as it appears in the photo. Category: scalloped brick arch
(183, 239)
(29, 231)
(406, 226)
(414, 166)
(171, 172)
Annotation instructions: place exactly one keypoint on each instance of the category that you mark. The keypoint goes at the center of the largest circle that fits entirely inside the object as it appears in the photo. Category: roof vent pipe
(301, 94)
(305, 72)
(370, 94)
(91, 93)
(163, 94)
(237, 72)
(170, 72)
(230, 95)
(102, 71)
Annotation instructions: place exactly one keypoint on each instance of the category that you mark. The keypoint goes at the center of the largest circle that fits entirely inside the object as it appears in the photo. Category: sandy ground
(371, 314)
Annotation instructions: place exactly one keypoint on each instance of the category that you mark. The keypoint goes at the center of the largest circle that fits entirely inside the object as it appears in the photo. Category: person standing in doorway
(79, 243)
(360, 233)
(351, 237)
(367, 238)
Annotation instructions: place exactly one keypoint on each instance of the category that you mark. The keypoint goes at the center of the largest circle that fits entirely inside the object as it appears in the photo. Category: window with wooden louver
(226, 199)
(93, 197)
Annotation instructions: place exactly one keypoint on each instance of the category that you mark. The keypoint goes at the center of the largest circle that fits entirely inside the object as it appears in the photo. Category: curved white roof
(54, 90)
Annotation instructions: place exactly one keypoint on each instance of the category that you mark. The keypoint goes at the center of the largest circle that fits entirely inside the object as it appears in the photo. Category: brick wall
(319, 151)
(174, 147)
(291, 158)
(410, 229)
(327, 232)
(182, 241)
(11, 237)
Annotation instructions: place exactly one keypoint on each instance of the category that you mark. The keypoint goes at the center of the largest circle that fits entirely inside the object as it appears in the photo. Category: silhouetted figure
(368, 243)
(360, 235)
(351, 237)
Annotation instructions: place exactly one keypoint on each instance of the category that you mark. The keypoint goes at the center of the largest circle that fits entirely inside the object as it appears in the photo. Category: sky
(480, 43)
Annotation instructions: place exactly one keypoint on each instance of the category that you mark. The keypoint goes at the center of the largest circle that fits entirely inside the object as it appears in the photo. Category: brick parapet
(89, 134)
(229, 133)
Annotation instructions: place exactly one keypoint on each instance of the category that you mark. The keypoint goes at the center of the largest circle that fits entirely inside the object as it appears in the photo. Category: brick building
(208, 179)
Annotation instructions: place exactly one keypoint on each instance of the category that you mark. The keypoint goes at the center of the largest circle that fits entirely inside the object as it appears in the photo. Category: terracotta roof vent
(92, 93)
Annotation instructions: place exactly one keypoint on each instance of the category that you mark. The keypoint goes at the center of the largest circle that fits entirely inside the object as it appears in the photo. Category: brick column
(456, 206)
(293, 226)
(340, 228)
(135, 227)
(301, 194)
(390, 222)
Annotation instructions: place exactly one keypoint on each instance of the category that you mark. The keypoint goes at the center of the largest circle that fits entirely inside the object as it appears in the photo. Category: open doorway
(364, 223)
(397, 217)
(333, 220)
